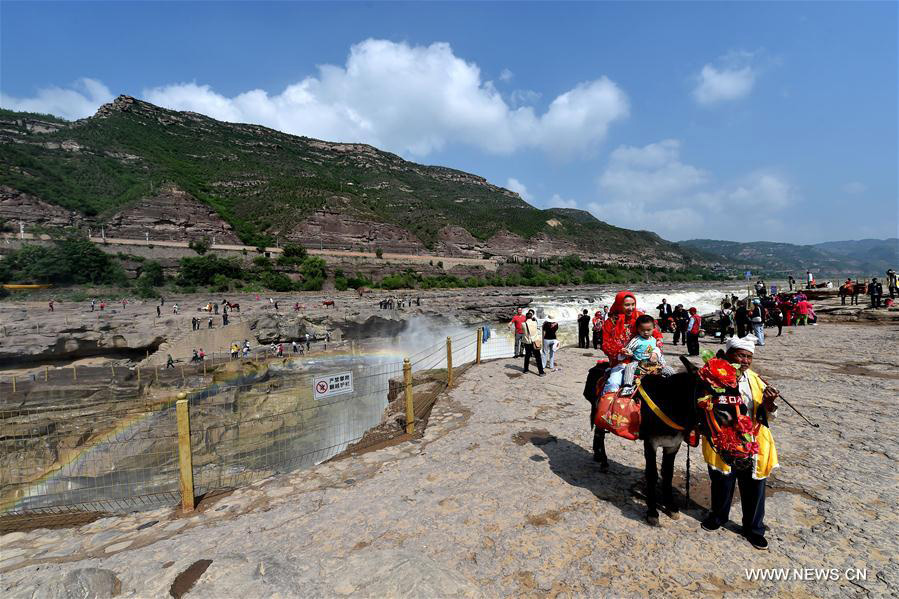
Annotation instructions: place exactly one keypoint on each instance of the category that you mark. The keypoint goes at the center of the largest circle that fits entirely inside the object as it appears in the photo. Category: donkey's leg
(649, 452)
(599, 449)
(668, 455)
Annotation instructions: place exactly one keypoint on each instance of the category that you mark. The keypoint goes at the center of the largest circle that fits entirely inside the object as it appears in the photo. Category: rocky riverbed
(500, 498)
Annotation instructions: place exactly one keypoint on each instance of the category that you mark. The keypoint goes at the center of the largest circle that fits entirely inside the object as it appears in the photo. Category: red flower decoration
(744, 424)
(719, 373)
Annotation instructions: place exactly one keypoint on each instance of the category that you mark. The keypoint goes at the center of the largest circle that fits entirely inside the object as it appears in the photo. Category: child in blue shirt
(641, 349)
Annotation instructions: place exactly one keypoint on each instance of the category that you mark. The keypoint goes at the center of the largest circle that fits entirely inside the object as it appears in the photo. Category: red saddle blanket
(618, 415)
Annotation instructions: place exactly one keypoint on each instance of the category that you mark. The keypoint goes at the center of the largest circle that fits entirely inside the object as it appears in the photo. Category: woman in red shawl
(619, 327)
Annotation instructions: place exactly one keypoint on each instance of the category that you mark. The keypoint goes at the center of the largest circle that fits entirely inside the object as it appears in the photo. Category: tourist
(531, 343)
(892, 283)
(308, 342)
(811, 279)
(618, 330)
(93, 304)
(803, 307)
(202, 354)
(786, 307)
(280, 350)
(209, 326)
(620, 326)
(641, 351)
(791, 282)
(103, 306)
(517, 324)
(775, 315)
(169, 362)
(174, 308)
(215, 308)
(294, 346)
(597, 321)
(757, 318)
(875, 291)
(681, 318)
(158, 312)
(272, 348)
(195, 357)
(725, 322)
(246, 348)
(583, 330)
(50, 303)
(235, 350)
(224, 319)
(758, 400)
(665, 313)
(742, 319)
(550, 342)
(694, 325)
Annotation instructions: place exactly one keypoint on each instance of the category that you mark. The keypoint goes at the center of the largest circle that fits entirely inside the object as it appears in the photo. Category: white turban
(747, 343)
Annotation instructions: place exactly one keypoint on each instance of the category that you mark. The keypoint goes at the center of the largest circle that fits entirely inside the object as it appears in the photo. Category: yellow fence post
(74, 372)
(46, 373)
(156, 370)
(410, 405)
(449, 361)
(477, 352)
(112, 368)
(182, 373)
(13, 384)
(185, 459)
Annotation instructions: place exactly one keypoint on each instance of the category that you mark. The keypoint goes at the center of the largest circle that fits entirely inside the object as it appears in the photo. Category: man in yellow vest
(758, 398)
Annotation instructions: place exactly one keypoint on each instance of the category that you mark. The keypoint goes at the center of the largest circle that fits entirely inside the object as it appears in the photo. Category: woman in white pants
(550, 342)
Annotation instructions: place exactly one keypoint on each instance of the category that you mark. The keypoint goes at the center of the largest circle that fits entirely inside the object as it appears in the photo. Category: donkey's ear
(690, 366)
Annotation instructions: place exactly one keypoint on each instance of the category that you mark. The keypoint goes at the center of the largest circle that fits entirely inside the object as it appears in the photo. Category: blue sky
(741, 121)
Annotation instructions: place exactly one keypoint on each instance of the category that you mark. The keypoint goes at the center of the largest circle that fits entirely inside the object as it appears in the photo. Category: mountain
(135, 169)
(836, 258)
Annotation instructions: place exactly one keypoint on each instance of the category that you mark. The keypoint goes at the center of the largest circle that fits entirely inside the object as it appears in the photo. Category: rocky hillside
(139, 169)
(837, 258)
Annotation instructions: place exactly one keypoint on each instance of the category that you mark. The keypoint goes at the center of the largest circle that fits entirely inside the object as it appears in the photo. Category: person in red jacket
(619, 327)
(694, 325)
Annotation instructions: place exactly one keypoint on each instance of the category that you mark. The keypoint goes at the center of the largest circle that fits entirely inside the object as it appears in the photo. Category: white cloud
(408, 99)
(650, 188)
(855, 188)
(506, 75)
(518, 187)
(77, 102)
(556, 201)
(732, 79)
(649, 173)
(524, 97)
(415, 100)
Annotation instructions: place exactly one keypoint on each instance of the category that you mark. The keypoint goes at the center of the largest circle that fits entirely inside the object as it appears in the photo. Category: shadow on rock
(622, 486)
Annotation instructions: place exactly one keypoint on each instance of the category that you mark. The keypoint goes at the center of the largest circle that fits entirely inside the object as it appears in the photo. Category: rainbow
(93, 447)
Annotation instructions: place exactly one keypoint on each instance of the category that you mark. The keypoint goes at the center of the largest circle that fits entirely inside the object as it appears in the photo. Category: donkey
(675, 396)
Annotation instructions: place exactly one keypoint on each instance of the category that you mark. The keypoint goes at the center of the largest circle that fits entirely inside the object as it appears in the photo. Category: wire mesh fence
(106, 439)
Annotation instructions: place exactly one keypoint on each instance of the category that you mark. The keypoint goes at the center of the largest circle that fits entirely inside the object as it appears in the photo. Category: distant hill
(134, 162)
(834, 258)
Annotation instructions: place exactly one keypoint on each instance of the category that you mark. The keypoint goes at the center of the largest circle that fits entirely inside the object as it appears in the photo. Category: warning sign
(332, 384)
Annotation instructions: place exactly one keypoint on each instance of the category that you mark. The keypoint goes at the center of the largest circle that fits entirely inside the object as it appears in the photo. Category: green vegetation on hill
(849, 258)
(68, 261)
(264, 182)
